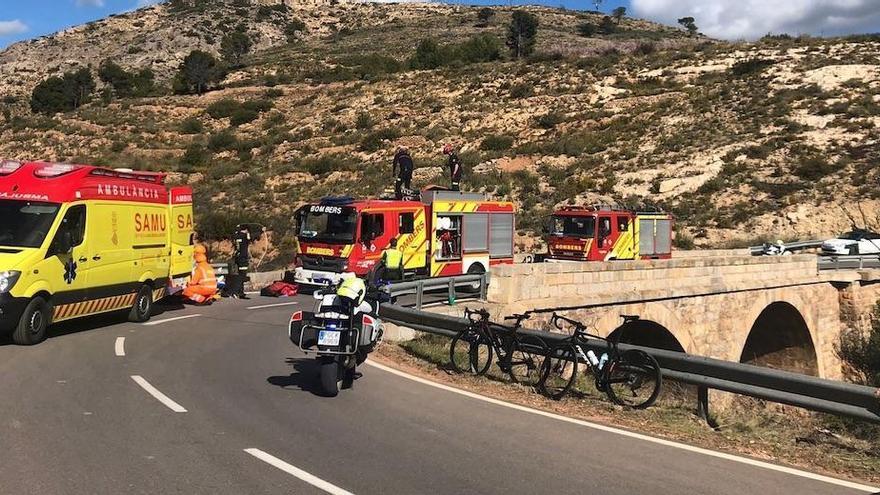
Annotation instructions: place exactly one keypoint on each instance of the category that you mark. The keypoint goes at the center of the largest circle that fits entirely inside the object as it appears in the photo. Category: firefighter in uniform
(402, 170)
(202, 286)
(389, 267)
(453, 163)
(240, 260)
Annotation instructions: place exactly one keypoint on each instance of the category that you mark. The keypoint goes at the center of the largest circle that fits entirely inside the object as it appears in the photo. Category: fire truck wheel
(475, 269)
(143, 305)
(33, 326)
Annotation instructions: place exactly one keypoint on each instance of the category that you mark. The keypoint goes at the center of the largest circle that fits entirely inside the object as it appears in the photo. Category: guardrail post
(484, 286)
(703, 406)
(451, 295)
(420, 290)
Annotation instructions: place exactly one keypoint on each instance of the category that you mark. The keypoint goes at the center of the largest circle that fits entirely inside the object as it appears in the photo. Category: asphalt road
(73, 420)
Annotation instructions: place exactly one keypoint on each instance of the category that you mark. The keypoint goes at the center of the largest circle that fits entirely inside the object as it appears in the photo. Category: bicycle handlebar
(517, 317)
(481, 313)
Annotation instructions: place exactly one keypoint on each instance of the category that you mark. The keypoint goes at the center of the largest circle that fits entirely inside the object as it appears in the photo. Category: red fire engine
(604, 233)
(446, 233)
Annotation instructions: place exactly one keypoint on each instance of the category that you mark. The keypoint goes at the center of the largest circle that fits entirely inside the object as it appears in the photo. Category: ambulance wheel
(33, 326)
(143, 305)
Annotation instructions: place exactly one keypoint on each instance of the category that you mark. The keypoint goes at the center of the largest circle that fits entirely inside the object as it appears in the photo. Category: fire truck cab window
(604, 226)
(622, 224)
(407, 223)
(372, 227)
(570, 226)
(449, 237)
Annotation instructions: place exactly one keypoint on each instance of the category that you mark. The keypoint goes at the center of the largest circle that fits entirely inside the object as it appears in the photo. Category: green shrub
(480, 48)
(750, 67)
(587, 29)
(195, 156)
(258, 106)
(126, 84)
(274, 93)
(522, 90)
(293, 28)
(191, 125)
(429, 55)
(364, 121)
(861, 351)
(224, 108)
(550, 120)
(198, 72)
(222, 141)
(373, 141)
(496, 143)
(243, 116)
(813, 168)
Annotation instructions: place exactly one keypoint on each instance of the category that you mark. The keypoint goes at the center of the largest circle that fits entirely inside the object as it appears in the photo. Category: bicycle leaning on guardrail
(632, 378)
(519, 356)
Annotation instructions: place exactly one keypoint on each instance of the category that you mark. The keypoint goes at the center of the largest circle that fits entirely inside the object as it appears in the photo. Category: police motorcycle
(342, 331)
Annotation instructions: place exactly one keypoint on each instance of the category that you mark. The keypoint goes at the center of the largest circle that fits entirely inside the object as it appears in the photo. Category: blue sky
(727, 19)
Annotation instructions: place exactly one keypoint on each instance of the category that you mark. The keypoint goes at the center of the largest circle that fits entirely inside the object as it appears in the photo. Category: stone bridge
(774, 311)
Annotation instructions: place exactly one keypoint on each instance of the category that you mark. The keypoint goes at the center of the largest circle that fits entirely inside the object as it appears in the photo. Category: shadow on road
(305, 376)
(98, 321)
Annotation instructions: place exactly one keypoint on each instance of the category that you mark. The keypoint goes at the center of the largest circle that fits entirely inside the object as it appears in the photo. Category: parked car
(856, 242)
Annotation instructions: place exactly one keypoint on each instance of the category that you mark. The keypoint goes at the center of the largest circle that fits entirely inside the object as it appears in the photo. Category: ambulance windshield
(331, 224)
(25, 223)
(572, 226)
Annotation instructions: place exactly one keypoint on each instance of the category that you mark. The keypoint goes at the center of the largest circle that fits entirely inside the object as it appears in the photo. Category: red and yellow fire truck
(446, 233)
(604, 233)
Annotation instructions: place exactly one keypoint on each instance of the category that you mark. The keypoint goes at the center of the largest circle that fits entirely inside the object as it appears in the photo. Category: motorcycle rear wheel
(331, 376)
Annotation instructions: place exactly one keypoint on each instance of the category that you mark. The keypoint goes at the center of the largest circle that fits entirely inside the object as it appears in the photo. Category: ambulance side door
(111, 257)
(67, 262)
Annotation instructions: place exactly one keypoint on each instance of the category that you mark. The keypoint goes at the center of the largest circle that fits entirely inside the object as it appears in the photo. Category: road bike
(519, 355)
(631, 378)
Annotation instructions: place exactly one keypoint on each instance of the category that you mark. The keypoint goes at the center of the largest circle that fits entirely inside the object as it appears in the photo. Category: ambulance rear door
(181, 232)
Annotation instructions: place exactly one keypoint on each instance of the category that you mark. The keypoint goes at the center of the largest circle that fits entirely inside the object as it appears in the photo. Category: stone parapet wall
(560, 284)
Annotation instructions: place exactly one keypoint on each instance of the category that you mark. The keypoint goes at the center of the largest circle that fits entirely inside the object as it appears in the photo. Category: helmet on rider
(447, 148)
(352, 289)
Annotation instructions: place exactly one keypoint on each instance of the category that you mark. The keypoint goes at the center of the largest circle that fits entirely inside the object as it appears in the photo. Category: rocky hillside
(740, 141)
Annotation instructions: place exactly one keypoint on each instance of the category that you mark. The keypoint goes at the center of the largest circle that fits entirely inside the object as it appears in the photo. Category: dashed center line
(164, 399)
(120, 346)
(166, 320)
(297, 472)
(273, 305)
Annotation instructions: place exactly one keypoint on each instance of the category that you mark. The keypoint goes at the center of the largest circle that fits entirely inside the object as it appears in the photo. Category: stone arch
(780, 338)
(655, 316)
(649, 334)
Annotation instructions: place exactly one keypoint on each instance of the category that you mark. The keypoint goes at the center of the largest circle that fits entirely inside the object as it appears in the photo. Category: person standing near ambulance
(202, 286)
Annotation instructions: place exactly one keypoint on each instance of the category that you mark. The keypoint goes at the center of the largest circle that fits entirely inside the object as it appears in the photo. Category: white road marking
(164, 399)
(299, 473)
(120, 346)
(166, 320)
(272, 305)
(639, 436)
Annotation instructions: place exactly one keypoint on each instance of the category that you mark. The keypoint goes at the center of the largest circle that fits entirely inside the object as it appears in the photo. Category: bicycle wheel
(633, 380)
(470, 352)
(558, 371)
(525, 359)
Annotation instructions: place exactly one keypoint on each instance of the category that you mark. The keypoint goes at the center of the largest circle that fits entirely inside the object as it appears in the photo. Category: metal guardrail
(789, 246)
(808, 392)
(849, 262)
(479, 283)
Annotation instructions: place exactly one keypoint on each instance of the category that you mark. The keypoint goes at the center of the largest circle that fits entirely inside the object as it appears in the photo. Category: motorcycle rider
(403, 177)
(453, 163)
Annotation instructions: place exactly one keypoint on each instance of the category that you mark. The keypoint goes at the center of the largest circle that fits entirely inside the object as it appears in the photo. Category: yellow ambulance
(79, 240)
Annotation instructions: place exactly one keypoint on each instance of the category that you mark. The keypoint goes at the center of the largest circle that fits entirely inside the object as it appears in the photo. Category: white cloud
(89, 3)
(8, 28)
(750, 19)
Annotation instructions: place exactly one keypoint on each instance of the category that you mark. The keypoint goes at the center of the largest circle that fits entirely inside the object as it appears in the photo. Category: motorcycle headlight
(7, 280)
